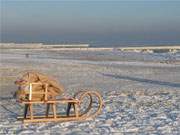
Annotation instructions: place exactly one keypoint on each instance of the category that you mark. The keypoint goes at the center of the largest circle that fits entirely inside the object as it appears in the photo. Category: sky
(85, 21)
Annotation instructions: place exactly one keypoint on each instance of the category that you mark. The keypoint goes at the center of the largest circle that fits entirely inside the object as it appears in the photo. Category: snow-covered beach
(141, 91)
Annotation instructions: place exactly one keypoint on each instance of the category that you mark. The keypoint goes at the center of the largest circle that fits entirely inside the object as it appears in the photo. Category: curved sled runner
(84, 104)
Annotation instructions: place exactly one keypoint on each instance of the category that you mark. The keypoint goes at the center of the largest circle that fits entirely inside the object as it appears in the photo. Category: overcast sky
(89, 21)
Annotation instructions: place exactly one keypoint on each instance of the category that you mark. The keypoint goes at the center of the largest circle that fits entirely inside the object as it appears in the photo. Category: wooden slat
(43, 116)
(53, 119)
(52, 101)
(46, 92)
(76, 110)
(31, 111)
(37, 83)
(30, 91)
(36, 92)
(54, 110)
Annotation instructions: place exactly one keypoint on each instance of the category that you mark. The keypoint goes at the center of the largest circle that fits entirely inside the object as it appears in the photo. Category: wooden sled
(85, 105)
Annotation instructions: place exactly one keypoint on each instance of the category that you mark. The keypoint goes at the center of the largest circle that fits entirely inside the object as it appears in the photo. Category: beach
(141, 91)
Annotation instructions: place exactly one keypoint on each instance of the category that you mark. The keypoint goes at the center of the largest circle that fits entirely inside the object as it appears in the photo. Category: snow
(140, 90)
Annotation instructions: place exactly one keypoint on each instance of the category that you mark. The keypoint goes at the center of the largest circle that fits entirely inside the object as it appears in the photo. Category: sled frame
(76, 116)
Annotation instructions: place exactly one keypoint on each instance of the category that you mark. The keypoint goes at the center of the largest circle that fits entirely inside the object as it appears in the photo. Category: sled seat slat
(38, 93)
(52, 101)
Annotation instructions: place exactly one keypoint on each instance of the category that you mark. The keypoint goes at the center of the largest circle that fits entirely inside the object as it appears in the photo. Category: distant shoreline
(74, 45)
(40, 46)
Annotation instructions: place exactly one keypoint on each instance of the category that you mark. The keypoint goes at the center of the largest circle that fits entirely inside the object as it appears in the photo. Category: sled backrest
(31, 93)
